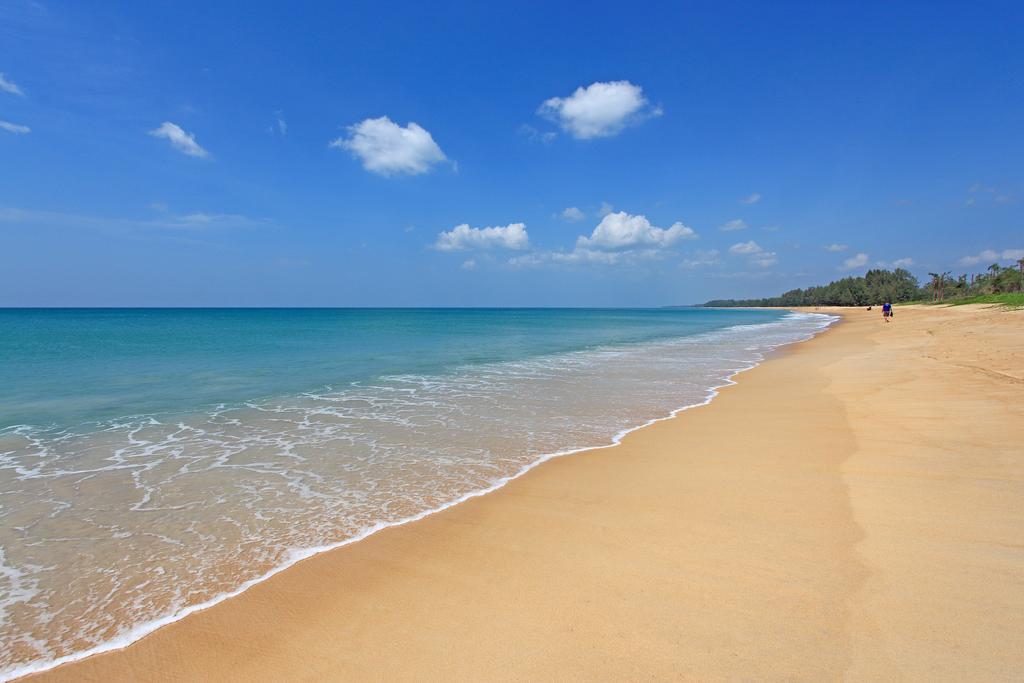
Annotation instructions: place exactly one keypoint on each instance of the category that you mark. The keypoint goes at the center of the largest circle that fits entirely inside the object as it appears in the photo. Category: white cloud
(758, 256)
(701, 258)
(734, 224)
(982, 191)
(179, 139)
(462, 237)
(387, 149)
(9, 86)
(618, 239)
(205, 221)
(210, 220)
(534, 135)
(14, 128)
(583, 256)
(193, 222)
(469, 264)
(619, 230)
(753, 198)
(572, 214)
(742, 274)
(989, 256)
(599, 110)
(282, 125)
(750, 247)
(904, 262)
(836, 247)
(586, 255)
(605, 209)
(855, 261)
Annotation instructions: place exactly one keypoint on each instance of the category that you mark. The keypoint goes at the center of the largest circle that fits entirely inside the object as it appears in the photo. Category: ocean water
(153, 462)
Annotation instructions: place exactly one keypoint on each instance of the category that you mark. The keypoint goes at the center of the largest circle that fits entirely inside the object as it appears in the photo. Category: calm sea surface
(154, 461)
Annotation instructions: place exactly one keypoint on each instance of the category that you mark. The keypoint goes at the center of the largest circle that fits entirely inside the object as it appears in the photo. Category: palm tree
(939, 284)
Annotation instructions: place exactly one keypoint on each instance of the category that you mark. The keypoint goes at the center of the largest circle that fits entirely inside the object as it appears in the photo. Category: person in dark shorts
(887, 312)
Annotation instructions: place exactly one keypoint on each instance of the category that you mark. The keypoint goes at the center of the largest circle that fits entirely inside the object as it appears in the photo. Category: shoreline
(144, 630)
(184, 647)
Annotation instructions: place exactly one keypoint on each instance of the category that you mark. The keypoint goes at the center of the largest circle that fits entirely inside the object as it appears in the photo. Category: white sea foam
(162, 518)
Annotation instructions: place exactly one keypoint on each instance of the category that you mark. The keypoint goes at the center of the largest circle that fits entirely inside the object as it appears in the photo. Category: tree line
(878, 286)
(996, 280)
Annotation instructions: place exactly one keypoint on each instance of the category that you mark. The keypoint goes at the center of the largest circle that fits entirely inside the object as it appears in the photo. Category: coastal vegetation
(876, 286)
(998, 285)
(1011, 299)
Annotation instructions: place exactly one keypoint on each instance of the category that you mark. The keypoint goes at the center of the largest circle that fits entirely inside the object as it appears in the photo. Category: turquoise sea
(154, 461)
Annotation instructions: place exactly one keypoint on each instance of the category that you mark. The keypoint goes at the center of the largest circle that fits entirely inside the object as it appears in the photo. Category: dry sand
(853, 508)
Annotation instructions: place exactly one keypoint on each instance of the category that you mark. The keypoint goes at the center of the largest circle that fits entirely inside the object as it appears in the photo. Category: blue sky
(172, 153)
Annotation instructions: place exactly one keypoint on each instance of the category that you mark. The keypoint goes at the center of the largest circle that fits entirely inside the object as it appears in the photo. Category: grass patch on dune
(1011, 299)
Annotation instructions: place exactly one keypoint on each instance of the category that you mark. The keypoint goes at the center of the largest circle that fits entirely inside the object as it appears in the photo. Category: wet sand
(853, 508)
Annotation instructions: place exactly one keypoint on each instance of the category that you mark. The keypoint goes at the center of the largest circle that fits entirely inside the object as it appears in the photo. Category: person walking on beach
(887, 312)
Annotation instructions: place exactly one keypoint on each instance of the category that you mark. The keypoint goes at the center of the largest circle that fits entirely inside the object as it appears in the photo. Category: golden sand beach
(852, 509)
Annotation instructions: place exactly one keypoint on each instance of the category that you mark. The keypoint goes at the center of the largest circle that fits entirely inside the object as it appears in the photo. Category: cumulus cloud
(599, 110)
(462, 238)
(753, 198)
(9, 86)
(856, 261)
(619, 238)
(387, 148)
(621, 230)
(572, 214)
(904, 262)
(14, 128)
(750, 247)
(836, 247)
(758, 255)
(734, 224)
(989, 256)
(182, 141)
